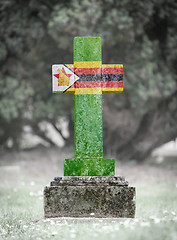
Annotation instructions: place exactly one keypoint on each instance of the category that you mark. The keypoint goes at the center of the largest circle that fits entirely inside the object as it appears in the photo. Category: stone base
(106, 197)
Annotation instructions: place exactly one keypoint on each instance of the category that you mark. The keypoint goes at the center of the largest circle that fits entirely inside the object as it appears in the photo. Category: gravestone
(88, 187)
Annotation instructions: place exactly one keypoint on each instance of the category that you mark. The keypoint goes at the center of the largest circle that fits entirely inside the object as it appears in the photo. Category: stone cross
(89, 187)
(95, 78)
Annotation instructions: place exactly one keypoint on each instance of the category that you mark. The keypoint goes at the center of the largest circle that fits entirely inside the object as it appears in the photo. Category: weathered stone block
(89, 197)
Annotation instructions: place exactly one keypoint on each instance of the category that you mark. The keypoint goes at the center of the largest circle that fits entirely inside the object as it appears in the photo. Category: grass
(21, 202)
(21, 216)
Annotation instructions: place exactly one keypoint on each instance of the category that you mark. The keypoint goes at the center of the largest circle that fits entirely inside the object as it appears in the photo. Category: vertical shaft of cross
(88, 102)
(88, 127)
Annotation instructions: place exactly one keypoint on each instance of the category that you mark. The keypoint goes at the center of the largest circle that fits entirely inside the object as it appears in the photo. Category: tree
(140, 35)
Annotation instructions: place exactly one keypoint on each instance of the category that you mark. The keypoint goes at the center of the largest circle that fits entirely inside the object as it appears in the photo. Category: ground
(24, 174)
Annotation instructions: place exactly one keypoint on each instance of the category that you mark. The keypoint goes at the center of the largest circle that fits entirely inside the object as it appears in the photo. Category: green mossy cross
(88, 127)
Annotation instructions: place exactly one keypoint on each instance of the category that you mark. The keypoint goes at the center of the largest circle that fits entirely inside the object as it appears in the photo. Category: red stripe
(83, 71)
(112, 70)
(92, 84)
(87, 84)
(110, 84)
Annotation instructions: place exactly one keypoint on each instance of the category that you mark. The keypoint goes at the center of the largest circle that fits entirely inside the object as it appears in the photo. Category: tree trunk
(156, 127)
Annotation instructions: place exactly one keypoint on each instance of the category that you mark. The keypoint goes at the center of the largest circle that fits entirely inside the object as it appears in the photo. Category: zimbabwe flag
(95, 77)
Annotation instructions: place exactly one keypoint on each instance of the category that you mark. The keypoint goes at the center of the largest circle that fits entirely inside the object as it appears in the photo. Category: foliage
(36, 34)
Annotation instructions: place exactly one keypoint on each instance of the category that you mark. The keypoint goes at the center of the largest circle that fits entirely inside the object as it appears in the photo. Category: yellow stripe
(112, 90)
(112, 66)
(70, 65)
(94, 64)
(87, 91)
(92, 90)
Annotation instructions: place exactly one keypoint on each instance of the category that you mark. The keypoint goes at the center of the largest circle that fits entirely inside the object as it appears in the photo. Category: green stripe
(87, 49)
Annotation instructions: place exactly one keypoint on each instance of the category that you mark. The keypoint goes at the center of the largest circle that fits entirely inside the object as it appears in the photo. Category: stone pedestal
(103, 197)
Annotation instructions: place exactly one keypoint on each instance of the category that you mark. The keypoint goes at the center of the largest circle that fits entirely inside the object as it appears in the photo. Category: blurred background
(139, 34)
(37, 127)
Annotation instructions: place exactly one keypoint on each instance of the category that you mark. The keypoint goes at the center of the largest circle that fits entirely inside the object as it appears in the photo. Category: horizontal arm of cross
(95, 77)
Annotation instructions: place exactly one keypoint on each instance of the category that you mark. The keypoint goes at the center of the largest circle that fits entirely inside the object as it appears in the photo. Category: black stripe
(99, 77)
(112, 77)
(96, 77)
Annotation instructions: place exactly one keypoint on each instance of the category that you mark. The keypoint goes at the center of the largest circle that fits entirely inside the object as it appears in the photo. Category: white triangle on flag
(64, 70)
